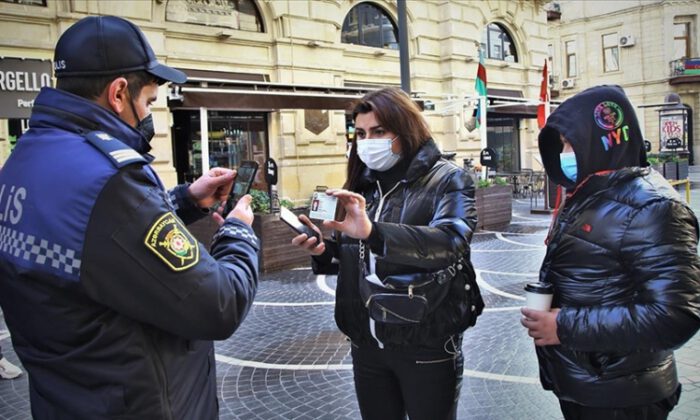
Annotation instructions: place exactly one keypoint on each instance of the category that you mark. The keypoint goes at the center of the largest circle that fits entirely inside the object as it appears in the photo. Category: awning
(520, 107)
(231, 91)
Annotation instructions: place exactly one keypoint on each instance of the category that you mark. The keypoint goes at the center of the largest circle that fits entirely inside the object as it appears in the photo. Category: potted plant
(494, 204)
(276, 250)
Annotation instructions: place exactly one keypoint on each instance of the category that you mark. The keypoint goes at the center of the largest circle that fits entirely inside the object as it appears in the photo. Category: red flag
(480, 87)
(542, 110)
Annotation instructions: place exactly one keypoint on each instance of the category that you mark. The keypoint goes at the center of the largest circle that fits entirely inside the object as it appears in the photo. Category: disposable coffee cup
(538, 296)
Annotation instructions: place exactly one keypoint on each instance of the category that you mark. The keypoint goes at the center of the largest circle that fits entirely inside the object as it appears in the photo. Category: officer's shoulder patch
(119, 153)
(168, 238)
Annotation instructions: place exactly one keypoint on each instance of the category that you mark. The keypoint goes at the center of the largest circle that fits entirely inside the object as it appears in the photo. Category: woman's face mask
(377, 153)
(568, 165)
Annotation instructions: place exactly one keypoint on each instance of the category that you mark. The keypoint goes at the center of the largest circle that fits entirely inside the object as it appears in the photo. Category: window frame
(501, 32)
(616, 47)
(571, 54)
(685, 38)
(359, 11)
(39, 3)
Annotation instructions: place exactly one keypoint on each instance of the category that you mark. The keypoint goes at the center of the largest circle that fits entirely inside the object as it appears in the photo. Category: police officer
(111, 303)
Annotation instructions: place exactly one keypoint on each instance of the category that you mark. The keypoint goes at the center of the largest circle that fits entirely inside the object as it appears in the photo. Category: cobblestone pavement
(288, 360)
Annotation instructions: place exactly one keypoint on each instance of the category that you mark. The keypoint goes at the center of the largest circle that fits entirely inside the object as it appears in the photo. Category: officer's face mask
(568, 165)
(145, 125)
(377, 153)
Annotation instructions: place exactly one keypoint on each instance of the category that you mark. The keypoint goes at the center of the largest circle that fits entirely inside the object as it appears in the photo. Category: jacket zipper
(377, 214)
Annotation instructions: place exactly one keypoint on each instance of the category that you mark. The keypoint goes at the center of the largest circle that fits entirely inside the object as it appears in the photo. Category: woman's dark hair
(397, 113)
(91, 87)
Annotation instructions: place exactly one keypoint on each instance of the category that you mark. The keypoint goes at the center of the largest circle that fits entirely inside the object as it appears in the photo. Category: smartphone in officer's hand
(245, 175)
(293, 222)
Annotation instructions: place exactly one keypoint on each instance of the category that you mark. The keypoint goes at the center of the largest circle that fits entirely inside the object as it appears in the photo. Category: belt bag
(404, 299)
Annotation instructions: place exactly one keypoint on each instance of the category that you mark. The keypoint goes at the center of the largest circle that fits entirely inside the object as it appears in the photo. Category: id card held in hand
(322, 206)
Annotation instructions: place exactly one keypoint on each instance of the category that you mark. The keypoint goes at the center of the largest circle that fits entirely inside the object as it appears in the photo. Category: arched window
(367, 24)
(234, 14)
(497, 43)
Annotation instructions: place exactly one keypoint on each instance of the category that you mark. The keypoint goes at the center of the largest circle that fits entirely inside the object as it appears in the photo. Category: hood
(602, 127)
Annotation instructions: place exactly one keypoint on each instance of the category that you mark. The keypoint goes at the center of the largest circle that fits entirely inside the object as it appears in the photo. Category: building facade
(275, 78)
(649, 47)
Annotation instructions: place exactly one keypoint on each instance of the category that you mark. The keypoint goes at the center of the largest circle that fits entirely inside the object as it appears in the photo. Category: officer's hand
(212, 187)
(242, 211)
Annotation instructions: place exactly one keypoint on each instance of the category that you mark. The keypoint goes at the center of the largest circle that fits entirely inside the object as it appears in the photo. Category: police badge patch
(171, 242)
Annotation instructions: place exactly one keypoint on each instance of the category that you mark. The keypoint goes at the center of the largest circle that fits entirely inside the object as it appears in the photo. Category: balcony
(684, 70)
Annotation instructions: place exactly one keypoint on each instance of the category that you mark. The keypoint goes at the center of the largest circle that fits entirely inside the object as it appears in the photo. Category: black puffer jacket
(426, 223)
(628, 288)
(622, 256)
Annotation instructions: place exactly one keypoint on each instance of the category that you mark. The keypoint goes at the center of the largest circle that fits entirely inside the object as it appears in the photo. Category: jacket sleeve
(445, 239)
(141, 261)
(659, 251)
(185, 208)
(327, 262)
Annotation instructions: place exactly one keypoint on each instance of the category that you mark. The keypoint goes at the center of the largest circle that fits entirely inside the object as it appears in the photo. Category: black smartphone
(245, 175)
(293, 221)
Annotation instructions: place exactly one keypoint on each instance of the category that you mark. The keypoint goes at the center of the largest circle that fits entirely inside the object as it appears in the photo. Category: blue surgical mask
(568, 165)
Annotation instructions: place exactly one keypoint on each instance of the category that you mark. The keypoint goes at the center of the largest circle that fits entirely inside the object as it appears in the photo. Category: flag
(480, 87)
(543, 107)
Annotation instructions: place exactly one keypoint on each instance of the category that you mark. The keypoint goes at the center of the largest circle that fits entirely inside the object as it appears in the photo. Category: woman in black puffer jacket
(622, 256)
(414, 214)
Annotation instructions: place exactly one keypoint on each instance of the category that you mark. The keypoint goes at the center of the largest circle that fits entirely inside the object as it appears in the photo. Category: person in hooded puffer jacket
(622, 257)
(414, 211)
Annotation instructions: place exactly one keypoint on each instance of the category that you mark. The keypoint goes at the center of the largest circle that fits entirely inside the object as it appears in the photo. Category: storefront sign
(672, 131)
(20, 83)
(488, 158)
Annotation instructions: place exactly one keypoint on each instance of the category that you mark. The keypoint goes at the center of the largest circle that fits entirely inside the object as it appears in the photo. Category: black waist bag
(407, 299)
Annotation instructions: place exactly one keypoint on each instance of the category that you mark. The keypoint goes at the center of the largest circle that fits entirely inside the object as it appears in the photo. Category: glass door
(232, 138)
(503, 136)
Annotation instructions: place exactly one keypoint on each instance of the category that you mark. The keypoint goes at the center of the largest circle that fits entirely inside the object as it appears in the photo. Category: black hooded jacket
(622, 258)
(425, 224)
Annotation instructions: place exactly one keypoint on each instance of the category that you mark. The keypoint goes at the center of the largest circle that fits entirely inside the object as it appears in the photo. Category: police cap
(108, 45)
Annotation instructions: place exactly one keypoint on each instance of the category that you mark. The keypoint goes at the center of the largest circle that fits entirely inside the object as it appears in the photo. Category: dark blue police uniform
(112, 304)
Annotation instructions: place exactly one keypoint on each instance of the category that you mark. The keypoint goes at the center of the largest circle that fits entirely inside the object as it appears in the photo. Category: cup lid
(542, 288)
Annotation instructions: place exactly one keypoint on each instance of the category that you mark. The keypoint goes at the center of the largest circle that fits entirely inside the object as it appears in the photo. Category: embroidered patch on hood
(602, 127)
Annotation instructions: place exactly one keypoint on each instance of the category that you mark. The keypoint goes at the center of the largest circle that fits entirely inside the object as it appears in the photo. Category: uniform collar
(63, 110)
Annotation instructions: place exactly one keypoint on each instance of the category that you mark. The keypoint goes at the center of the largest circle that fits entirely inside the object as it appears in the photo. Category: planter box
(670, 170)
(682, 171)
(658, 167)
(494, 206)
(277, 251)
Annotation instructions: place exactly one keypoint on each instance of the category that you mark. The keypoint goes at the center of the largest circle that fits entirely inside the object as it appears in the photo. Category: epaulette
(119, 153)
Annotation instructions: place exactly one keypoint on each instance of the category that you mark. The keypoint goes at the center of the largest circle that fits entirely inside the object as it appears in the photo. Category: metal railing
(685, 181)
(685, 67)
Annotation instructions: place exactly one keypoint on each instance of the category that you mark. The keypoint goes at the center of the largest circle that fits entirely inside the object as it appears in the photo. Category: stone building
(649, 47)
(274, 78)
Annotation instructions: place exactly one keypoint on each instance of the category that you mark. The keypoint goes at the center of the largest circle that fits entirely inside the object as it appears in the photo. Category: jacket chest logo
(172, 243)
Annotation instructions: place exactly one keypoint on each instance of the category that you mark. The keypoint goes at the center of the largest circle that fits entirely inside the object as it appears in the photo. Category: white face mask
(377, 153)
